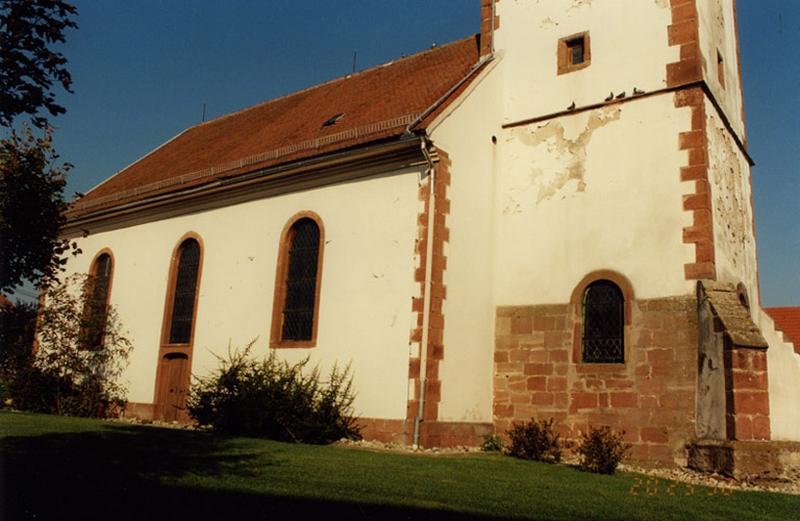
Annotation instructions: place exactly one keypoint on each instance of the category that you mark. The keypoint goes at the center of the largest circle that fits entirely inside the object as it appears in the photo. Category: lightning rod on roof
(355, 53)
(204, 113)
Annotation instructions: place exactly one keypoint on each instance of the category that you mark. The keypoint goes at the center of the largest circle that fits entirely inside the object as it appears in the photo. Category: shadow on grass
(115, 474)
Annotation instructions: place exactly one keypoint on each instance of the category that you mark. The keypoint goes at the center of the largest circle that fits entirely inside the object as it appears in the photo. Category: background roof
(787, 319)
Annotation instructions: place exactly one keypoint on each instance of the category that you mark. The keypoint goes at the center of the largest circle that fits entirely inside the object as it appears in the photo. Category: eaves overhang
(376, 158)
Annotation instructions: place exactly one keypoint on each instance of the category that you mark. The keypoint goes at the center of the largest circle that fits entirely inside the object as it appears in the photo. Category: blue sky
(143, 70)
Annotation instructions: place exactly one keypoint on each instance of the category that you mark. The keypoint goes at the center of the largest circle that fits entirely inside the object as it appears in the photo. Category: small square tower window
(720, 70)
(574, 53)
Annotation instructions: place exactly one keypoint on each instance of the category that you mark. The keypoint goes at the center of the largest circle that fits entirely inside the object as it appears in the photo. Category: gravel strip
(789, 484)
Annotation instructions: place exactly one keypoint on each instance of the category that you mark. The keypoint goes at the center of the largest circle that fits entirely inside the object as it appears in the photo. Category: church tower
(624, 273)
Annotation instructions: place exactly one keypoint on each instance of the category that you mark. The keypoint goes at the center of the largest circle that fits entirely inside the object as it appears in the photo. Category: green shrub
(534, 440)
(17, 327)
(66, 375)
(492, 443)
(26, 386)
(33, 390)
(601, 450)
(62, 376)
(276, 400)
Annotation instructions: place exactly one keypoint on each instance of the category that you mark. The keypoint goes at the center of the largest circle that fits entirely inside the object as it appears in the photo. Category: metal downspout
(426, 297)
(426, 302)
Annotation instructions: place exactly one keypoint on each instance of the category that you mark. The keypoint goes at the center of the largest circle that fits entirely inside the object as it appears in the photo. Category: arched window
(603, 323)
(97, 297)
(294, 319)
(182, 306)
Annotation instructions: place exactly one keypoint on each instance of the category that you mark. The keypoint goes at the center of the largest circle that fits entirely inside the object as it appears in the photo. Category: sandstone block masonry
(747, 414)
(538, 374)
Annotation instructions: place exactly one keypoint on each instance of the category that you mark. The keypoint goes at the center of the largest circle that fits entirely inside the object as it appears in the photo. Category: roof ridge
(237, 142)
(267, 155)
(142, 158)
(328, 82)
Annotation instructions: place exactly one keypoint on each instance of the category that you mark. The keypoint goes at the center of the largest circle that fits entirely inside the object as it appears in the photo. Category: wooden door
(174, 385)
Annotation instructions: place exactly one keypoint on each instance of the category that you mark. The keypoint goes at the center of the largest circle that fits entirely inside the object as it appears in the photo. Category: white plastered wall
(590, 191)
(783, 370)
(365, 301)
(527, 208)
(718, 34)
(465, 133)
(628, 42)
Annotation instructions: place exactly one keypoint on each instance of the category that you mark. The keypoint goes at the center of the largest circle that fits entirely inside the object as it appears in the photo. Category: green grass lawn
(68, 468)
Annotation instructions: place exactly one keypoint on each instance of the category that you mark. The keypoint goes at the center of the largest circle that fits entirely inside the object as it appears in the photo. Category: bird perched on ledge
(571, 107)
(610, 97)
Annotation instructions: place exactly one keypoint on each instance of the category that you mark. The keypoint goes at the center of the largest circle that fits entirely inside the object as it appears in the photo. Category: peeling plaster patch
(511, 206)
(547, 23)
(719, 18)
(731, 210)
(570, 153)
(577, 4)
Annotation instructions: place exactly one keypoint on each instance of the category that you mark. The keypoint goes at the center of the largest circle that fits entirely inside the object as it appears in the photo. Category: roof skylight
(333, 119)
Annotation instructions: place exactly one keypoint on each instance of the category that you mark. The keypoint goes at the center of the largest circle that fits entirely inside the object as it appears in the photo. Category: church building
(550, 219)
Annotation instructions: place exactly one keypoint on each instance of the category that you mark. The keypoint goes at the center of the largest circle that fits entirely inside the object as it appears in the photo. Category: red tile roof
(375, 104)
(787, 319)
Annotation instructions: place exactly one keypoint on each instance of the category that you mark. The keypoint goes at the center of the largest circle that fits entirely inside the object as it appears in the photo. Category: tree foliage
(32, 205)
(29, 67)
(31, 186)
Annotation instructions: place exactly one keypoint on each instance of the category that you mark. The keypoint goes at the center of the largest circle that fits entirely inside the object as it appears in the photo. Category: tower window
(720, 70)
(573, 53)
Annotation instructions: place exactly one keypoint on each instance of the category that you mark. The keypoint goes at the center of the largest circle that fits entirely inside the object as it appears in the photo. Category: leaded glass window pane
(301, 281)
(576, 50)
(180, 331)
(97, 311)
(603, 323)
